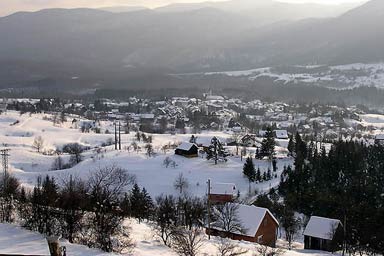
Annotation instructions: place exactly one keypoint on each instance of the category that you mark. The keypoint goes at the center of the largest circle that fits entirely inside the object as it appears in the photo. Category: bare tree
(187, 242)
(38, 143)
(106, 188)
(149, 149)
(228, 248)
(181, 183)
(264, 250)
(167, 161)
(58, 163)
(226, 218)
(291, 225)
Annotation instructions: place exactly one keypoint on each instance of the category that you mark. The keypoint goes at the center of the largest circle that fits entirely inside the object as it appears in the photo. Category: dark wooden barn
(323, 234)
(187, 149)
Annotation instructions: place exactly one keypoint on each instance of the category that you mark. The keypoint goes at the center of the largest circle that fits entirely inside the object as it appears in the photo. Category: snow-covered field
(15, 240)
(341, 77)
(26, 164)
(17, 132)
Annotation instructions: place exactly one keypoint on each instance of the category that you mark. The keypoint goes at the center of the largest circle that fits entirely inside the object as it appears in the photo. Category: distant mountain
(352, 37)
(120, 9)
(106, 48)
(265, 11)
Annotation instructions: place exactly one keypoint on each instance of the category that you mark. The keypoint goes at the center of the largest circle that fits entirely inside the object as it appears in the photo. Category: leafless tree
(187, 242)
(167, 161)
(226, 218)
(181, 183)
(38, 143)
(264, 250)
(106, 188)
(58, 163)
(149, 149)
(291, 225)
(228, 248)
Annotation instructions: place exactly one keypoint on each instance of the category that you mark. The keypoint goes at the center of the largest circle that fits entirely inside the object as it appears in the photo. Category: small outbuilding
(323, 234)
(281, 134)
(259, 225)
(379, 139)
(222, 192)
(187, 149)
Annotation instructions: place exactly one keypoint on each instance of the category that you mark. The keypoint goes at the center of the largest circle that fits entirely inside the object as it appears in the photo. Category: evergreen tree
(249, 171)
(291, 146)
(258, 174)
(268, 144)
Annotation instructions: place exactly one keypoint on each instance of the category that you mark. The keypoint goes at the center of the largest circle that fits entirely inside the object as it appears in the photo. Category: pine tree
(136, 202)
(258, 175)
(268, 144)
(147, 204)
(249, 171)
(291, 146)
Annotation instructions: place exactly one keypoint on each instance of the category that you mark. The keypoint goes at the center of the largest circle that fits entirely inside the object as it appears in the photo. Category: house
(281, 134)
(258, 225)
(379, 139)
(249, 140)
(323, 234)
(222, 192)
(187, 149)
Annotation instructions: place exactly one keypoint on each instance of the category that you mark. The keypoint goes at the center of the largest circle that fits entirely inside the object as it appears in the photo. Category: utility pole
(115, 136)
(209, 209)
(4, 157)
(119, 135)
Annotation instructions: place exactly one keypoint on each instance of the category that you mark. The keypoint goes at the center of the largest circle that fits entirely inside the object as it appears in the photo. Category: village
(181, 146)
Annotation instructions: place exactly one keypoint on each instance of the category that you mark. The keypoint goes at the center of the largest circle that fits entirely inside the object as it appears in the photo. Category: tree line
(345, 183)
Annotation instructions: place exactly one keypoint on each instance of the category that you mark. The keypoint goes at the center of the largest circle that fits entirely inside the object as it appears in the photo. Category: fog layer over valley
(66, 48)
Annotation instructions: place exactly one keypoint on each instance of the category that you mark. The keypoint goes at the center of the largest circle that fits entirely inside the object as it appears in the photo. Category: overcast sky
(11, 6)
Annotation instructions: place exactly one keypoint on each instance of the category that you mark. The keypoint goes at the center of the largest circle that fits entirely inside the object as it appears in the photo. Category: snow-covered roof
(223, 189)
(320, 227)
(185, 146)
(379, 137)
(147, 116)
(281, 134)
(251, 218)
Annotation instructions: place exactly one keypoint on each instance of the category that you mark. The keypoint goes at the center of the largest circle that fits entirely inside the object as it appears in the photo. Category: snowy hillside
(340, 77)
(14, 239)
(18, 133)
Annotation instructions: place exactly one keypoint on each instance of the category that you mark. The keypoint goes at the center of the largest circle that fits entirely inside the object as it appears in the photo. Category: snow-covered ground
(17, 132)
(341, 77)
(26, 164)
(15, 240)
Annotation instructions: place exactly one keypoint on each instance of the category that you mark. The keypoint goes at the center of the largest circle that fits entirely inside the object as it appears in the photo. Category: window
(265, 222)
(260, 239)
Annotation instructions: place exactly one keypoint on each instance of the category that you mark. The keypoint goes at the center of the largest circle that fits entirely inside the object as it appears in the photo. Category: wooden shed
(323, 234)
(222, 192)
(187, 149)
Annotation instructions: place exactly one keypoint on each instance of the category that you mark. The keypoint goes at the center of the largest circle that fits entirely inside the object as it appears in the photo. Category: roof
(223, 189)
(320, 227)
(379, 137)
(186, 146)
(251, 218)
(281, 134)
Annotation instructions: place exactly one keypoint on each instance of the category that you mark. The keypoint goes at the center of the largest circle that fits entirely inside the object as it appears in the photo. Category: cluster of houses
(228, 114)
(260, 226)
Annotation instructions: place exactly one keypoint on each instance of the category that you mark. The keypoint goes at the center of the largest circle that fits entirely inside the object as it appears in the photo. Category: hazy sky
(11, 6)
